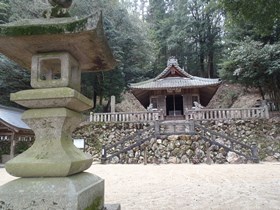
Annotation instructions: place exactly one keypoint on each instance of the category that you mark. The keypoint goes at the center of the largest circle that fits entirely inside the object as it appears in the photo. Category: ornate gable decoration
(173, 70)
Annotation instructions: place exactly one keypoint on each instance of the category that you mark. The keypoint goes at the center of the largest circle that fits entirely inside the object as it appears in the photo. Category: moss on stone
(95, 204)
(43, 26)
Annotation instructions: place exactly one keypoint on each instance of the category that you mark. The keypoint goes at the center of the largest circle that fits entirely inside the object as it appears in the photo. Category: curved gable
(173, 70)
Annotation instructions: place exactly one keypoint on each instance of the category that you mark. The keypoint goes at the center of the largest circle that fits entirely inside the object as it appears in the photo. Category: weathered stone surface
(115, 160)
(185, 137)
(52, 97)
(58, 35)
(171, 146)
(199, 153)
(271, 159)
(53, 153)
(172, 137)
(277, 156)
(234, 158)
(77, 192)
(172, 160)
(185, 159)
(112, 207)
(57, 69)
(186, 151)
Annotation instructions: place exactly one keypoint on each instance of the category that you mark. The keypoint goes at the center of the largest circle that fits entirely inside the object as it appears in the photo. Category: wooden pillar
(145, 156)
(266, 112)
(113, 104)
(90, 116)
(103, 154)
(255, 152)
(12, 147)
(157, 128)
(174, 104)
(191, 126)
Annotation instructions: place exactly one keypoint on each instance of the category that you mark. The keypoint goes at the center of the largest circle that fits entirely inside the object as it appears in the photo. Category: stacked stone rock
(186, 148)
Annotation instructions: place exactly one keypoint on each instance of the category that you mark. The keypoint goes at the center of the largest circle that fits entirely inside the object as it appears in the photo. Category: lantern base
(77, 192)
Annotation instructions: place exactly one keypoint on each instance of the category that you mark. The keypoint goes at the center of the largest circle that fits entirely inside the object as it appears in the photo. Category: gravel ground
(187, 186)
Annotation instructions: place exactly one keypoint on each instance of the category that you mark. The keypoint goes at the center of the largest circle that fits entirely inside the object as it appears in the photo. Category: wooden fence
(223, 114)
(199, 114)
(126, 117)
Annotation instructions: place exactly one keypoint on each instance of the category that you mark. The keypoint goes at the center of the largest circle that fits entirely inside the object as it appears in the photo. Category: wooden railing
(125, 117)
(199, 114)
(222, 114)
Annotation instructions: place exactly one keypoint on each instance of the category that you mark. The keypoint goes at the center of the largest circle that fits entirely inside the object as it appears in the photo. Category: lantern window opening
(50, 69)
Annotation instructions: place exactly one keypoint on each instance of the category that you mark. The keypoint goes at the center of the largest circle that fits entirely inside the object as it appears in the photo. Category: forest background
(237, 40)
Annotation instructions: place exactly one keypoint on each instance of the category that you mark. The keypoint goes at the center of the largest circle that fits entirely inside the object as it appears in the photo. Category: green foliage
(142, 39)
(127, 36)
(28, 9)
(159, 25)
(189, 30)
(22, 146)
(13, 78)
(261, 14)
(252, 42)
(252, 63)
(5, 11)
(5, 147)
(84, 7)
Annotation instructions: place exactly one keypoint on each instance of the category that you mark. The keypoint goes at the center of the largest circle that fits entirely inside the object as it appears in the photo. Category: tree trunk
(94, 98)
(201, 62)
(261, 92)
(107, 107)
(101, 99)
(211, 64)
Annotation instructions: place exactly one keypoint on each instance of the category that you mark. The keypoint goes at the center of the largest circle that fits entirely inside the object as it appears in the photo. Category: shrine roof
(12, 117)
(165, 81)
(175, 82)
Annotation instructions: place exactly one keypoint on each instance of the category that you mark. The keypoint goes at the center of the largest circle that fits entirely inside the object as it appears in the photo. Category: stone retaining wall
(184, 148)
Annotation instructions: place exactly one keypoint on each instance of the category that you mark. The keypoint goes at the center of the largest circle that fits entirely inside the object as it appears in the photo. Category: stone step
(112, 207)
(171, 128)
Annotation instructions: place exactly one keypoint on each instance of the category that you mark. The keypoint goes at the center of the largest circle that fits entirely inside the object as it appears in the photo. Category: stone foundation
(184, 148)
(79, 192)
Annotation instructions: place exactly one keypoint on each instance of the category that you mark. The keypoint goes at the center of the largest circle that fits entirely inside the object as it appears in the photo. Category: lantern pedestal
(58, 50)
(53, 154)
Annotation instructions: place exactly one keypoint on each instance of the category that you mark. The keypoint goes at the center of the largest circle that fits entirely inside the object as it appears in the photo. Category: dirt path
(185, 186)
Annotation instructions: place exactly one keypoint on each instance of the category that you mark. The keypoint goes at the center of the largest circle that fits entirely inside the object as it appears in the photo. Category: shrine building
(174, 90)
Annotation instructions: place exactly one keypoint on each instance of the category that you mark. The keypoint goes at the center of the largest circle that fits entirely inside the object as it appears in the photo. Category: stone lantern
(57, 50)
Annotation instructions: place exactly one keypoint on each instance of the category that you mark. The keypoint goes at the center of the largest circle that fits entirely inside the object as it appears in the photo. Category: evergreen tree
(255, 65)
(261, 14)
(5, 11)
(13, 78)
(127, 36)
(197, 34)
(252, 42)
(159, 19)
